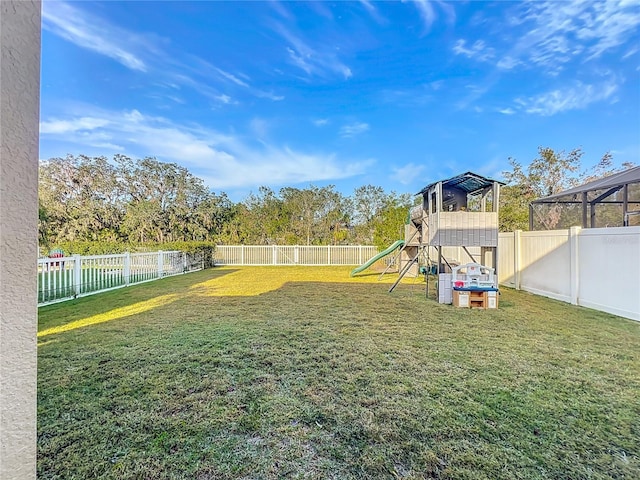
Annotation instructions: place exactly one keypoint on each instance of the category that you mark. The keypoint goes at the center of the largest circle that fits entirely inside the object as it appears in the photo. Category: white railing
(293, 254)
(64, 278)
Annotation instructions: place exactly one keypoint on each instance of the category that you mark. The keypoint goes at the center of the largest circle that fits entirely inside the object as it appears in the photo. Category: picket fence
(64, 278)
(312, 255)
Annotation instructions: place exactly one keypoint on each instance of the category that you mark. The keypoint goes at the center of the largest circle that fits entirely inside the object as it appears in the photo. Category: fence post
(274, 256)
(574, 234)
(241, 254)
(296, 254)
(184, 262)
(77, 274)
(328, 254)
(359, 254)
(160, 265)
(127, 268)
(517, 259)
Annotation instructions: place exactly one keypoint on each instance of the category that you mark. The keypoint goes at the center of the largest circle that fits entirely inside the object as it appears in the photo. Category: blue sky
(395, 94)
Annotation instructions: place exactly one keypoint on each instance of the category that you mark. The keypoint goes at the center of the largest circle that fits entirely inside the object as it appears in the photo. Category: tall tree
(81, 197)
(93, 199)
(390, 221)
(264, 220)
(368, 202)
(549, 173)
(315, 214)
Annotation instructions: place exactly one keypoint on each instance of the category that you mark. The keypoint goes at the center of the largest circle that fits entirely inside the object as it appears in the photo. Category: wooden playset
(459, 212)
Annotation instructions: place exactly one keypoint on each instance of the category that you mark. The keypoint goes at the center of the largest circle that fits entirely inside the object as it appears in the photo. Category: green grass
(285, 372)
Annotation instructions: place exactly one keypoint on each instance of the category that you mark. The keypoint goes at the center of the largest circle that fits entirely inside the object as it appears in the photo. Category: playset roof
(469, 182)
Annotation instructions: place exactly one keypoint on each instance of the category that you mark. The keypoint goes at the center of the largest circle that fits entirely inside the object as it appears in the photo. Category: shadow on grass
(338, 376)
(134, 299)
(233, 293)
(193, 296)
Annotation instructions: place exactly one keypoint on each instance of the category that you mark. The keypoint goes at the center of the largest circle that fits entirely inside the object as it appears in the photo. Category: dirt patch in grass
(273, 372)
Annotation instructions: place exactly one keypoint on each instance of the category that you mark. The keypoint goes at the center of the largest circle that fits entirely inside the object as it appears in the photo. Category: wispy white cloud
(314, 61)
(406, 174)
(552, 37)
(478, 51)
(632, 51)
(508, 62)
(412, 97)
(321, 9)
(260, 127)
(353, 129)
(232, 78)
(609, 24)
(576, 97)
(280, 9)
(507, 111)
(299, 61)
(89, 32)
(55, 126)
(223, 160)
(373, 11)
(321, 122)
(86, 130)
(427, 11)
(269, 95)
(200, 72)
(558, 32)
(147, 53)
(222, 98)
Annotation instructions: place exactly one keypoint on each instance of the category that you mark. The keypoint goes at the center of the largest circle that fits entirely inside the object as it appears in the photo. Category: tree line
(96, 205)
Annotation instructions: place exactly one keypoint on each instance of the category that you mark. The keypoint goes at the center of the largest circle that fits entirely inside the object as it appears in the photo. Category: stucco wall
(19, 106)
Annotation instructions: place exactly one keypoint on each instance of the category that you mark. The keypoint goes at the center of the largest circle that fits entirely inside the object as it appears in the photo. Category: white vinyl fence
(597, 268)
(64, 278)
(293, 254)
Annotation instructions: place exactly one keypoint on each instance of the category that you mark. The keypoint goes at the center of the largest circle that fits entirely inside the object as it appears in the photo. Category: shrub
(205, 249)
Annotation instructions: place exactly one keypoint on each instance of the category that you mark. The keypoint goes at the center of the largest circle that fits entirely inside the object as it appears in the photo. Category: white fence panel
(311, 255)
(55, 278)
(229, 255)
(352, 255)
(293, 254)
(506, 264)
(596, 267)
(545, 263)
(69, 277)
(144, 267)
(100, 272)
(285, 255)
(260, 255)
(609, 270)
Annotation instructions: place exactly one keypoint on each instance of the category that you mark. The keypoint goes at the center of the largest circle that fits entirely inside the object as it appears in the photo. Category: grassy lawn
(300, 372)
